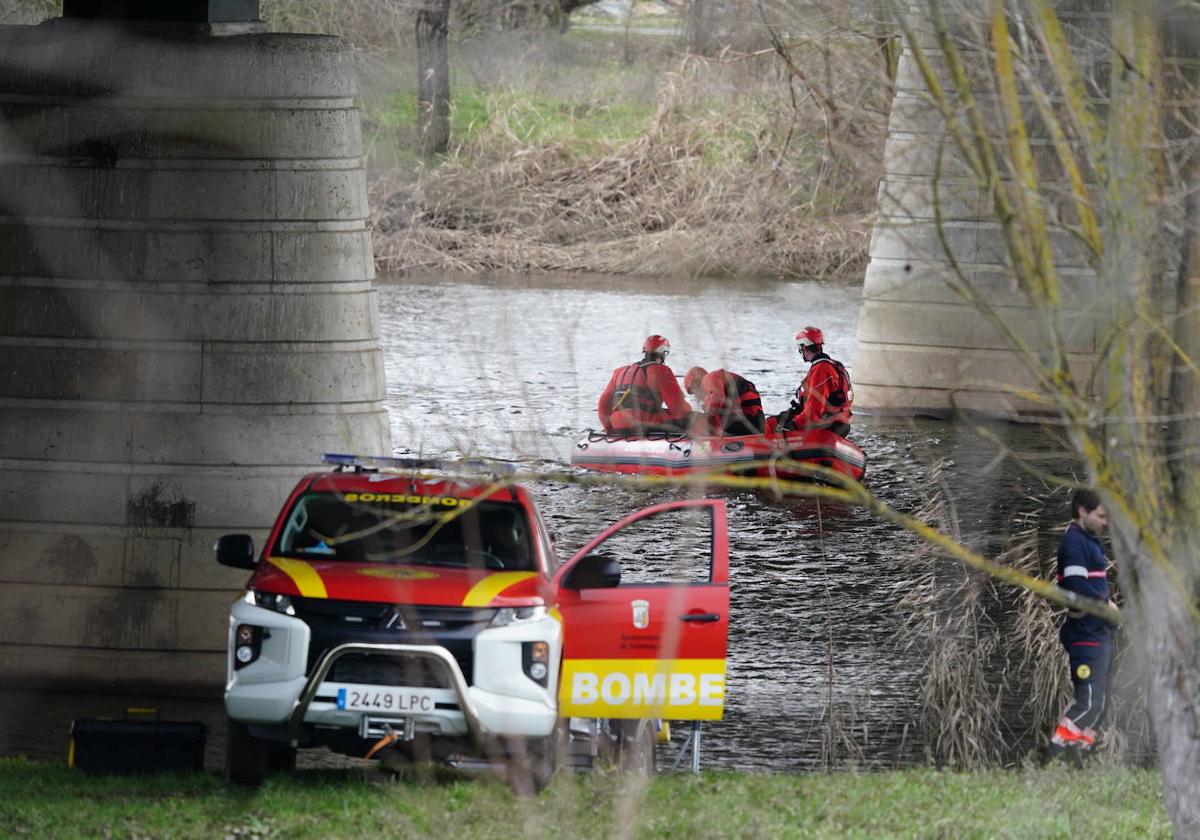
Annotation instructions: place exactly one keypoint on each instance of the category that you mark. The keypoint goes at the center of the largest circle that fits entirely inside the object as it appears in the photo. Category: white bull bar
(438, 655)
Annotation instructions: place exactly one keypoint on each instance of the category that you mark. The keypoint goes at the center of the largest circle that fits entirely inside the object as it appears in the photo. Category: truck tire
(549, 754)
(532, 763)
(281, 758)
(635, 746)
(247, 759)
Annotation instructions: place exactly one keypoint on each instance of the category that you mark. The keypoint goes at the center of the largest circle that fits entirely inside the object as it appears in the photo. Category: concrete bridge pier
(188, 321)
(922, 348)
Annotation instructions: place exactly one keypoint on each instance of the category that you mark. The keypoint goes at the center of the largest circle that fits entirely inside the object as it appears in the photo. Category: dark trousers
(1091, 661)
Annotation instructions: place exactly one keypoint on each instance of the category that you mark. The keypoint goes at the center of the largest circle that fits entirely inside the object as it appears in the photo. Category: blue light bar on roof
(412, 462)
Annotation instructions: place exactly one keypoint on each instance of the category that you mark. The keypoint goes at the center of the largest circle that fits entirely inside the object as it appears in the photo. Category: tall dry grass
(25, 12)
(736, 172)
(995, 678)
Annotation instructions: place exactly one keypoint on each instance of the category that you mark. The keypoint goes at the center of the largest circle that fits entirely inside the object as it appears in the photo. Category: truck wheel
(247, 759)
(635, 746)
(549, 754)
(281, 757)
(531, 763)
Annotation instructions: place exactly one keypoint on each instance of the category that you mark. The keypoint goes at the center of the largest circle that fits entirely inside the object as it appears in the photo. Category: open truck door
(644, 607)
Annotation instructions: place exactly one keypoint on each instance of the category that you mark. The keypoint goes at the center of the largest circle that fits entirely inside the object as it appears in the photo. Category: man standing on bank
(1082, 569)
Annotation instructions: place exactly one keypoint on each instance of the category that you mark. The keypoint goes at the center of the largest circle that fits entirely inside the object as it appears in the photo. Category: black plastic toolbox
(137, 743)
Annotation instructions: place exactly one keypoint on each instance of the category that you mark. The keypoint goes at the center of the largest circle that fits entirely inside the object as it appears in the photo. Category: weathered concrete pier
(189, 321)
(922, 348)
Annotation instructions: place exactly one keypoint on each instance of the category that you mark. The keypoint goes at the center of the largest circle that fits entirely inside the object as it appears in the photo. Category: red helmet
(656, 344)
(809, 336)
(693, 378)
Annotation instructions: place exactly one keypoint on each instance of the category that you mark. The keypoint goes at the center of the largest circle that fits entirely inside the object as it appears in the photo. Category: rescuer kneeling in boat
(731, 403)
(1082, 569)
(633, 401)
(824, 398)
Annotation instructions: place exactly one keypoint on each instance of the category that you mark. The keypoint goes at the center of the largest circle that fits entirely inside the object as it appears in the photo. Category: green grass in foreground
(38, 800)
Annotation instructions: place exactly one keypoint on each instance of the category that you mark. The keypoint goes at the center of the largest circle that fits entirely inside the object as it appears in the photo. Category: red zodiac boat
(755, 455)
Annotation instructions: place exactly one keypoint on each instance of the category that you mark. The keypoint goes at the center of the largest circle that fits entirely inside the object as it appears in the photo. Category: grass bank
(591, 151)
(1055, 802)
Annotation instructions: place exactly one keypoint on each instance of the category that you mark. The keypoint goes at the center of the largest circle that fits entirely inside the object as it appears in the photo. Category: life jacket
(634, 390)
(748, 399)
(839, 401)
(732, 403)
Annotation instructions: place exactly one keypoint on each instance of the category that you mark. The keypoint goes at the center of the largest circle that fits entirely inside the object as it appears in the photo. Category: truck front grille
(336, 623)
(379, 669)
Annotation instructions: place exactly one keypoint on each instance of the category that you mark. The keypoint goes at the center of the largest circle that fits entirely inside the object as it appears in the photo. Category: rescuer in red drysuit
(824, 398)
(731, 403)
(633, 401)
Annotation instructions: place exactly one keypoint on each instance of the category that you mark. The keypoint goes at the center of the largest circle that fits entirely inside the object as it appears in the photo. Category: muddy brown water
(511, 368)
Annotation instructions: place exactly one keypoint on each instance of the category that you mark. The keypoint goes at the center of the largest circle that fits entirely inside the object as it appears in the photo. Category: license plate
(370, 698)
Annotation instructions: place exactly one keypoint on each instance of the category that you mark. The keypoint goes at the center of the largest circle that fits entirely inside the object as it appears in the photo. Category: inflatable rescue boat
(754, 455)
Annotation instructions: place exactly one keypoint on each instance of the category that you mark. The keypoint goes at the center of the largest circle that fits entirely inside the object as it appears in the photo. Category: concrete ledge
(961, 326)
(235, 499)
(220, 315)
(109, 136)
(92, 61)
(174, 673)
(150, 435)
(916, 280)
(164, 194)
(943, 405)
(942, 369)
(259, 253)
(144, 619)
(108, 556)
(976, 242)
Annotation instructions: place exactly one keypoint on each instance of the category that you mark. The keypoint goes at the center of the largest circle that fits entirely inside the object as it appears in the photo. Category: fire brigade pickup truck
(397, 612)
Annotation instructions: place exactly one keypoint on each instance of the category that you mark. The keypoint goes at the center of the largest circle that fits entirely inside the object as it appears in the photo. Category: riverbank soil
(613, 152)
(39, 800)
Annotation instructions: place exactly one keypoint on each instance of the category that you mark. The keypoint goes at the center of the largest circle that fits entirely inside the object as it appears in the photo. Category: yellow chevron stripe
(482, 593)
(303, 575)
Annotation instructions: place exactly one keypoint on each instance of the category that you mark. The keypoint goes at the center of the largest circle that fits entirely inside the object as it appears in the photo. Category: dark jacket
(1083, 569)
(732, 404)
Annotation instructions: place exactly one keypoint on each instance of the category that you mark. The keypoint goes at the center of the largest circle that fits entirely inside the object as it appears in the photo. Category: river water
(512, 368)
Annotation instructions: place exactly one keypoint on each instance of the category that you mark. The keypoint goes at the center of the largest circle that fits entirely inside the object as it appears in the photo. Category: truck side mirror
(236, 550)
(595, 571)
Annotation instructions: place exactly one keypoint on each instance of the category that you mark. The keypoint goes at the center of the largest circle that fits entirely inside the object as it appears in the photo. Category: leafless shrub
(28, 11)
(370, 24)
(741, 188)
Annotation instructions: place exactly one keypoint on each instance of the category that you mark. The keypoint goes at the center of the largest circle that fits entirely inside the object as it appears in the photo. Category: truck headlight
(516, 615)
(271, 601)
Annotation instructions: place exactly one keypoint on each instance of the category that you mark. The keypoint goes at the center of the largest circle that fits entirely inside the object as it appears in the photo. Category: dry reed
(698, 192)
(996, 677)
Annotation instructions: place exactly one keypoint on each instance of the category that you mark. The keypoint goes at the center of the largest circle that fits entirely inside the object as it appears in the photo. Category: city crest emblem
(641, 614)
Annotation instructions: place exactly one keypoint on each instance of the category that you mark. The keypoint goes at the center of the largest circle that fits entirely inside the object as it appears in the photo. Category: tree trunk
(701, 39)
(1155, 535)
(433, 83)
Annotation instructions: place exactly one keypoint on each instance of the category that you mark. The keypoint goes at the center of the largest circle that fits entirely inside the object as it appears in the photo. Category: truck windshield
(359, 528)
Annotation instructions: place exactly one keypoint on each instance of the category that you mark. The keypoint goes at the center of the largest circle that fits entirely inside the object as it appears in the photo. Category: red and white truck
(424, 616)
